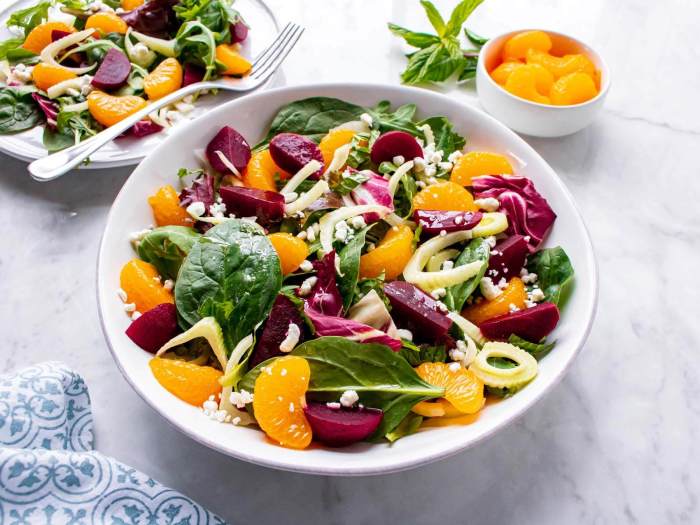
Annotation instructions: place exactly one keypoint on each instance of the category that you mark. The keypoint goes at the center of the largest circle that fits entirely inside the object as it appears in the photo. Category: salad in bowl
(77, 66)
(358, 275)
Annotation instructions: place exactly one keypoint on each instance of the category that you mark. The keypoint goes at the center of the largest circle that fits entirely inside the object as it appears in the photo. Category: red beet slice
(415, 310)
(192, 74)
(275, 330)
(154, 328)
(239, 32)
(142, 128)
(267, 206)
(291, 152)
(155, 17)
(532, 324)
(233, 146)
(507, 258)
(395, 143)
(113, 71)
(339, 427)
(433, 221)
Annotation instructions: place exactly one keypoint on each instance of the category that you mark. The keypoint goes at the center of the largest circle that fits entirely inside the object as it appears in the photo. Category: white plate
(251, 115)
(124, 152)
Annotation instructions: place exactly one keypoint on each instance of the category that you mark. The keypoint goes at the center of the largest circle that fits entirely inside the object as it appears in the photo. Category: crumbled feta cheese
(290, 339)
(489, 290)
(210, 404)
(196, 209)
(442, 307)
(138, 236)
(311, 234)
(358, 222)
(527, 277)
(398, 160)
(418, 164)
(333, 405)
(429, 170)
(436, 157)
(367, 119)
(349, 398)
(122, 295)
(218, 210)
(302, 235)
(290, 197)
(445, 166)
(536, 295)
(448, 265)
(129, 307)
(502, 283)
(443, 233)
(140, 52)
(22, 73)
(342, 232)
(404, 334)
(438, 293)
(307, 285)
(236, 420)
(454, 367)
(241, 399)
(454, 156)
(488, 203)
(490, 240)
(459, 219)
(420, 184)
(306, 266)
(456, 355)
(135, 315)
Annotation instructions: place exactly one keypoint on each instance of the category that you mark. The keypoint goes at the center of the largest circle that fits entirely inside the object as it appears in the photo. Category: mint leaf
(459, 16)
(413, 38)
(475, 39)
(434, 16)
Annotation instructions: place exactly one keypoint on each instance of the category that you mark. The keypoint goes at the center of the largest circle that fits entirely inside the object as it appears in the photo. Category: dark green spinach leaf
(350, 267)
(18, 111)
(166, 247)
(538, 350)
(409, 425)
(477, 250)
(446, 139)
(554, 271)
(27, 19)
(417, 354)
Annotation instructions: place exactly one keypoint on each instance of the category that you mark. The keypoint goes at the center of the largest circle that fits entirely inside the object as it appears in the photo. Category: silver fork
(57, 164)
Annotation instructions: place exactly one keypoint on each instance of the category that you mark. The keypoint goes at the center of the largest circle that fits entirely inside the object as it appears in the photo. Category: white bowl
(251, 115)
(532, 118)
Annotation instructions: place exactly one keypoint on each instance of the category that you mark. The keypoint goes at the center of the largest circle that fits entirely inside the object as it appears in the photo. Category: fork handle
(54, 165)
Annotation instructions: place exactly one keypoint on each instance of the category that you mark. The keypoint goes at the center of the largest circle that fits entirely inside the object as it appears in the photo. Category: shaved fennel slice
(429, 281)
(436, 261)
(224, 160)
(75, 108)
(49, 53)
(159, 45)
(491, 223)
(395, 220)
(358, 126)
(62, 88)
(398, 175)
(207, 328)
(468, 328)
(232, 374)
(328, 221)
(511, 378)
(306, 199)
(141, 59)
(340, 158)
(300, 176)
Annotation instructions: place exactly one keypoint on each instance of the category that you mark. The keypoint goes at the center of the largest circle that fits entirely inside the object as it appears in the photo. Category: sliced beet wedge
(231, 144)
(192, 74)
(532, 324)
(434, 221)
(267, 206)
(393, 144)
(339, 427)
(239, 32)
(143, 128)
(282, 314)
(415, 310)
(113, 71)
(291, 152)
(507, 258)
(154, 328)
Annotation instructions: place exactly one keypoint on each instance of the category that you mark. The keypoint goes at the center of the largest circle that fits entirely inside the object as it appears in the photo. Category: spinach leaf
(538, 350)
(54, 140)
(166, 247)
(350, 267)
(409, 425)
(18, 111)
(417, 354)
(19, 55)
(554, 271)
(382, 379)
(8, 45)
(348, 181)
(477, 250)
(312, 117)
(231, 273)
(401, 119)
(29, 18)
(445, 138)
(414, 38)
(216, 15)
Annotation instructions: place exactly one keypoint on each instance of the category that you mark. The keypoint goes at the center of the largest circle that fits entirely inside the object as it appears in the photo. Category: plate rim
(405, 463)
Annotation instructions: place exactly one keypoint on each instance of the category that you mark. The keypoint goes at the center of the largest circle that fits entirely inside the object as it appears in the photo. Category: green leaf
(459, 16)
(19, 55)
(474, 38)
(166, 248)
(477, 250)
(554, 272)
(231, 273)
(382, 379)
(8, 45)
(435, 63)
(445, 138)
(417, 354)
(195, 43)
(18, 111)
(413, 38)
(538, 350)
(434, 16)
(350, 267)
(348, 181)
(401, 119)
(469, 70)
(403, 200)
(409, 425)
(27, 19)
(216, 15)
(55, 140)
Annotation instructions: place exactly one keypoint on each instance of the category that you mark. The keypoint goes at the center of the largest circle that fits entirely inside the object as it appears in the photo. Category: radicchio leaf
(361, 333)
(49, 108)
(528, 212)
(375, 190)
(154, 18)
(325, 297)
(201, 190)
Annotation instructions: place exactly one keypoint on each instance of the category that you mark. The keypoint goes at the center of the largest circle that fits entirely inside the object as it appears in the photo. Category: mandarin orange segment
(478, 163)
(142, 284)
(390, 256)
(513, 294)
(164, 79)
(109, 109)
(128, 5)
(279, 400)
(40, 37)
(560, 66)
(166, 208)
(47, 75)
(229, 56)
(575, 88)
(501, 73)
(516, 47)
(290, 249)
(187, 381)
(261, 171)
(523, 83)
(332, 141)
(463, 389)
(444, 196)
(105, 23)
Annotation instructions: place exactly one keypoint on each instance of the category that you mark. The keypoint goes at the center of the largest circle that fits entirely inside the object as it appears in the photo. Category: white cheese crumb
(291, 338)
(196, 209)
(398, 160)
(129, 307)
(527, 277)
(218, 210)
(358, 222)
(349, 398)
(490, 240)
(488, 203)
(404, 334)
(438, 293)
(334, 405)
(241, 399)
(307, 285)
(367, 119)
(448, 265)
(454, 367)
(454, 156)
(443, 233)
(169, 284)
(456, 354)
(418, 164)
(442, 307)
(306, 266)
(135, 315)
(489, 290)
(536, 295)
(236, 420)
(459, 219)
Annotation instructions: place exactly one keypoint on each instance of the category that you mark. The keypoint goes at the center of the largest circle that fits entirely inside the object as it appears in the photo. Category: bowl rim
(408, 462)
(604, 70)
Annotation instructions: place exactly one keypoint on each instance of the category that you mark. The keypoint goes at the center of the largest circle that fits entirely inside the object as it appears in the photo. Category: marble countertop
(617, 441)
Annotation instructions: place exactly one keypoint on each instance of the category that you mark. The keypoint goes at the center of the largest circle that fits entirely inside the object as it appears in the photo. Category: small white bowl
(532, 118)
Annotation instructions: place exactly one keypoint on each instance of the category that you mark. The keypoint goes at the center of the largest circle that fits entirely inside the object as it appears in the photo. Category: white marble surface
(617, 441)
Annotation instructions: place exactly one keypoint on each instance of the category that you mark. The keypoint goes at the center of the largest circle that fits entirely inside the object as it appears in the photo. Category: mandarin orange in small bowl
(541, 83)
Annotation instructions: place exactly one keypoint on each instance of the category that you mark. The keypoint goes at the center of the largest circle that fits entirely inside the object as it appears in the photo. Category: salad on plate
(359, 274)
(78, 66)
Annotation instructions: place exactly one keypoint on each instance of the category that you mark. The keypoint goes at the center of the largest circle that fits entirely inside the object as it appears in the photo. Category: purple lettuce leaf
(327, 325)
(374, 190)
(49, 108)
(201, 190)
(325, 297)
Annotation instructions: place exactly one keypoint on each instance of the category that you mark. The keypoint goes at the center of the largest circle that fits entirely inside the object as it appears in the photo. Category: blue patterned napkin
(49, 473)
